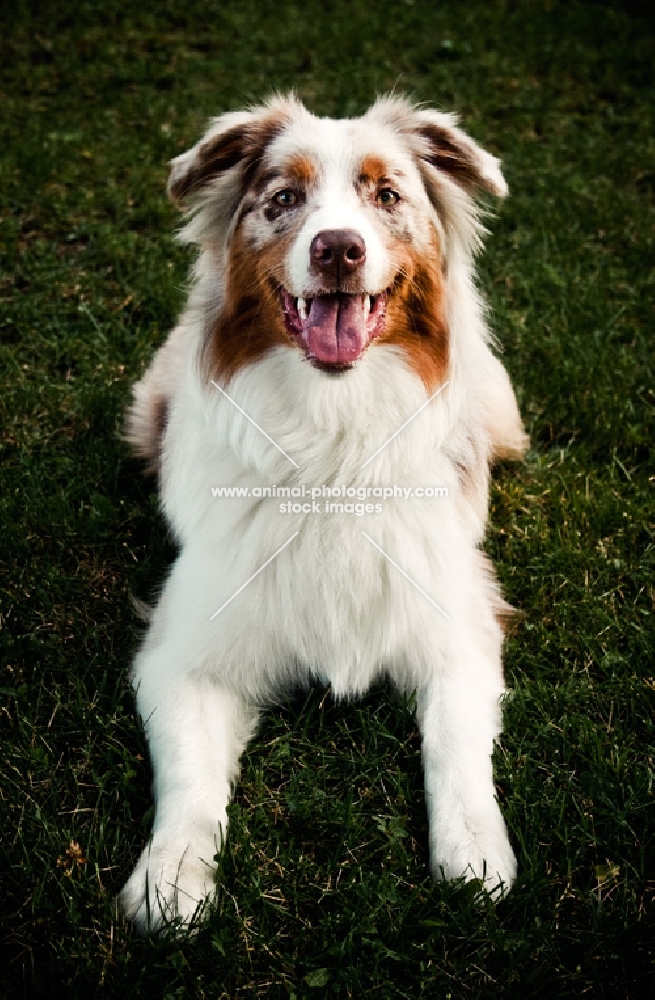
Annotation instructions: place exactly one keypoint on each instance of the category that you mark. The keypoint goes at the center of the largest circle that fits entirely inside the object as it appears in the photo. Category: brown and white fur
(333, 294)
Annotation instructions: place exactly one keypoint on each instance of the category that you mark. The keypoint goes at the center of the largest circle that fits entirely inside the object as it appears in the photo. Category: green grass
(324, 887)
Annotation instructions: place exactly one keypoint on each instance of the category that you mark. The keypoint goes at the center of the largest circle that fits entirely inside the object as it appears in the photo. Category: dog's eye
(285, 198)
(387, 197)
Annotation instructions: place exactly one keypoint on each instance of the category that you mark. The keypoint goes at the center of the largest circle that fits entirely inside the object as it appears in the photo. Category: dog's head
(334, 233)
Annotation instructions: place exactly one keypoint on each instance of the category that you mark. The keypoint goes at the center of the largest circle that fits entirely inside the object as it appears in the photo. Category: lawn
(324, 888)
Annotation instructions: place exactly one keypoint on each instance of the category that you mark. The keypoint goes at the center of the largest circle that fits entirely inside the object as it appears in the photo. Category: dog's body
(333, 296)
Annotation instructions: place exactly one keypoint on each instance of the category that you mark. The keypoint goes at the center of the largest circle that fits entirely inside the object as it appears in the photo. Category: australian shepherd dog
(333, 339)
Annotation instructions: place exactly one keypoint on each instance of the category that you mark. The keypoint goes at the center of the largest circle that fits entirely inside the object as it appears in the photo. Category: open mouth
(334, 329)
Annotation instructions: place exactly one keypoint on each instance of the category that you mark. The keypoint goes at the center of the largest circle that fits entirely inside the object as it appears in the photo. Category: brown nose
(335, 253)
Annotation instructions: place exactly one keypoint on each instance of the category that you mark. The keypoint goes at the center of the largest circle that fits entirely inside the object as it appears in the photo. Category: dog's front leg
(196, 732)
(459, 717)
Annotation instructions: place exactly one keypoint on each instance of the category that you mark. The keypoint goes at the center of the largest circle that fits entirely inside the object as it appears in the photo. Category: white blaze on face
(338, 208)
(334, 203)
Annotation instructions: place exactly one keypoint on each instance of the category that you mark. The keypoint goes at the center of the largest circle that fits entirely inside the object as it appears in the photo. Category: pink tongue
(335, 331)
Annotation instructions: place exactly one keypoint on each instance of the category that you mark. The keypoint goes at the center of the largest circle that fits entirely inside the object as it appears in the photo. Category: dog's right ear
(226, 144)
(234, 143)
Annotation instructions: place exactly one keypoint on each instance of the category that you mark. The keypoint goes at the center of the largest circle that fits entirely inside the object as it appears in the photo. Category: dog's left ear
(436, 141)
(439, 142)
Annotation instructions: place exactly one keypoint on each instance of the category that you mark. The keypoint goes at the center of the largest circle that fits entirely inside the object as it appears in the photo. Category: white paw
(169, 886)
(483, 854)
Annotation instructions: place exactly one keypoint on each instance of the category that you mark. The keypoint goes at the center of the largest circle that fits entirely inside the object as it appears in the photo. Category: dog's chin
(334, 329)
(329, 369)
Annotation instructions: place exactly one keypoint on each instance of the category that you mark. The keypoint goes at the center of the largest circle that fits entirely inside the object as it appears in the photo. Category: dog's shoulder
(152, 396)
(500, 409)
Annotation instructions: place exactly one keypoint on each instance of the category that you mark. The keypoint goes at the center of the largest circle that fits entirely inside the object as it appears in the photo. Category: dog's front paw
(170, 886)
(484, 855)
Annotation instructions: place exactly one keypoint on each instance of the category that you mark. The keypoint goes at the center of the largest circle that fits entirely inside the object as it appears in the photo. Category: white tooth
(302, 309)
(367, 305)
